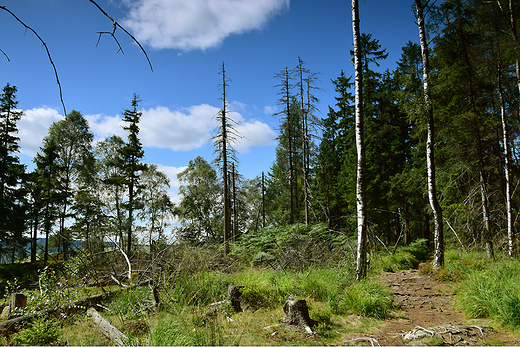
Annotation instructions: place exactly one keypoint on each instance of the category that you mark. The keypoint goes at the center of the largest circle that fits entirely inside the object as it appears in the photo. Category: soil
(426, 316)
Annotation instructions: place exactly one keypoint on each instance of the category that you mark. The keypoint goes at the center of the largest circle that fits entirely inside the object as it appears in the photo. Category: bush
(369, 299)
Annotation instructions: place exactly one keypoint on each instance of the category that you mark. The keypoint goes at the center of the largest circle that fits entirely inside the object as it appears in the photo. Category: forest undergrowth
(182, 301)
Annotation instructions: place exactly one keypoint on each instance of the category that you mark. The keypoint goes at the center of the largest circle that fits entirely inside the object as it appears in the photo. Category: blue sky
(186, 41)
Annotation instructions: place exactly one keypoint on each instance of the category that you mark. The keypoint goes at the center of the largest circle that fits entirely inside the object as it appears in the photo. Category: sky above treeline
(186, 41)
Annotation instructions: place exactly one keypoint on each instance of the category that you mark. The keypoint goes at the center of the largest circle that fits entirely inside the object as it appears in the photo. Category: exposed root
(450, 334)
(372, 341)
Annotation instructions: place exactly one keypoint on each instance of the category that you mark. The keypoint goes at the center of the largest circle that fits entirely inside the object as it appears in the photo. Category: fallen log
(297, 313)
(106, 328)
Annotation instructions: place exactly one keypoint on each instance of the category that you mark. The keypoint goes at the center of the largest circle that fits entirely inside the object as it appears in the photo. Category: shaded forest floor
(427, 316)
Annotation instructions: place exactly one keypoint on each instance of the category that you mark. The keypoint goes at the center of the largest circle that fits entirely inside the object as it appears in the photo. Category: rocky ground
(427, 317)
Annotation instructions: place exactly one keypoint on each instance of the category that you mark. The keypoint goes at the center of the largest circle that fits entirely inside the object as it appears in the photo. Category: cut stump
(297, 313)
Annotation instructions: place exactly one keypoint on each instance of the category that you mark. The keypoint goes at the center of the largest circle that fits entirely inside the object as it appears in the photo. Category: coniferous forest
(440, 189)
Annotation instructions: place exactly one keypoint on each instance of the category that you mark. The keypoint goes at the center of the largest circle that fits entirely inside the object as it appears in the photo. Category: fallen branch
(107, 329)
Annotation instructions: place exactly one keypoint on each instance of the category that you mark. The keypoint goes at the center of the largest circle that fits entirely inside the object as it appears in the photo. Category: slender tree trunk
(227, 216)
(507, 159)
(234, 205)
(304, 144)
(263, 200)
(438, 258)
(290, 145)
(486, 233)
(130, 217)
(361, 262)
(34, 239)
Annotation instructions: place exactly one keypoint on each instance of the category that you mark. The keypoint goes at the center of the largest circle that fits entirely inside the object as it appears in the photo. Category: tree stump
(17, 300)
(297, 313)
(233, 296)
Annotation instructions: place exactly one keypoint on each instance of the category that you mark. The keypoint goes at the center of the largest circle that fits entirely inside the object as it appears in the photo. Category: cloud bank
(196, 24)
(185, 129)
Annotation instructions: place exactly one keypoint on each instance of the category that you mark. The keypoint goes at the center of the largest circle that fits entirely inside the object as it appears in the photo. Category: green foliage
(369, 299)
(53, 292)
(405, 257)
(41, 332)
(492, 292)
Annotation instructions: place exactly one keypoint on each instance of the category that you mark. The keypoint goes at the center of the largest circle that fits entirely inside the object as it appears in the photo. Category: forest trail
(425, 309)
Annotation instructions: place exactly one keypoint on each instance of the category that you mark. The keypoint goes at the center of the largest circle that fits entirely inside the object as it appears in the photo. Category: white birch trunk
(507, 158)
(361, 264)
(438, 257)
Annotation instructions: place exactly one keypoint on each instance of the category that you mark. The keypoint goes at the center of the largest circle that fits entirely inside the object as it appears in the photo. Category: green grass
(368, 299)
(492, 292)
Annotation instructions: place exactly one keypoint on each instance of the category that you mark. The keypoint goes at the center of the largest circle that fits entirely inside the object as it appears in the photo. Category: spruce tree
(11, 171)
(129, 161)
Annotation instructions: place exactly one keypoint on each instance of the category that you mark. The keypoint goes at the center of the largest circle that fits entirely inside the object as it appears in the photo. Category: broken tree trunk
(106, 328)
(297, 313)
(233, 296)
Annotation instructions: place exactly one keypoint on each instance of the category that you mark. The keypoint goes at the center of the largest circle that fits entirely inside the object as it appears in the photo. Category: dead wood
(297, 313)
(233, 296)
(106, 328)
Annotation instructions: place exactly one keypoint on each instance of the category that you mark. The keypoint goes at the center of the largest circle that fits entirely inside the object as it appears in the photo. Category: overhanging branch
(46, 49)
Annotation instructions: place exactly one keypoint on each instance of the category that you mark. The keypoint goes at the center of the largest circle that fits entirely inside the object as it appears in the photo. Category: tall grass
(493, 293)
(368, 299)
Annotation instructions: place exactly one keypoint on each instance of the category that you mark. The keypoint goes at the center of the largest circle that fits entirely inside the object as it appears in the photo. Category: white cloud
(104, 126)
(196, 24)
(182, 130)
(254, 134)
(33, 127)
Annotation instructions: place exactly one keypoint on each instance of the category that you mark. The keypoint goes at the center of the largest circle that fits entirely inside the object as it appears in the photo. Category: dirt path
(427, 309)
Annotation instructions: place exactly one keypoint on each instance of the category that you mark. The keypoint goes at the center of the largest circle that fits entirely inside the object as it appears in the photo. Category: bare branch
(5, 55)
(46, 49)
(116, 25)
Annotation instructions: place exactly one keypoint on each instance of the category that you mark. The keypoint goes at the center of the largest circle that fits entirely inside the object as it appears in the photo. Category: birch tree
(438, 257)
(361, 264)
